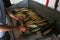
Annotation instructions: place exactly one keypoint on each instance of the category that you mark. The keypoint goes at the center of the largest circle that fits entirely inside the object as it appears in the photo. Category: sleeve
(7, 3)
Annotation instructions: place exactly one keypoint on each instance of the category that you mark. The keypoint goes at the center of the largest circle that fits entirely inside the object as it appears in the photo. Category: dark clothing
(7, 3)
(3, 4)
(6, 36)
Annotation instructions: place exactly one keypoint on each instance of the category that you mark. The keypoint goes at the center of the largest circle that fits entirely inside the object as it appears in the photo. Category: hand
(22, 28)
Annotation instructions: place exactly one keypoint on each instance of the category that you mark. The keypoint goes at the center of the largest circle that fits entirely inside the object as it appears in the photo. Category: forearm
(13, 16)
(6, 28)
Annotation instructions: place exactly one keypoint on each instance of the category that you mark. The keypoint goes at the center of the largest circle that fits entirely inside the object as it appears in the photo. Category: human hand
(22, 28)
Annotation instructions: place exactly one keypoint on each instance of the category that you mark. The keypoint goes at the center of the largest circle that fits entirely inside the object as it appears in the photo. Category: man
(6, 4)
(3, 26)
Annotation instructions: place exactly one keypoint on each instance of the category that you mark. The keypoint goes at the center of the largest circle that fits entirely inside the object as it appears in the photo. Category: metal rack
(40, 9)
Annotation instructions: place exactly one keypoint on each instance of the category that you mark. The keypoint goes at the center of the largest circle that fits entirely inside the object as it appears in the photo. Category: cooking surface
(52, 16)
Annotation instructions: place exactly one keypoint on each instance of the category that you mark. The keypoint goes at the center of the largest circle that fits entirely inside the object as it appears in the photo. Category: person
(4, 4)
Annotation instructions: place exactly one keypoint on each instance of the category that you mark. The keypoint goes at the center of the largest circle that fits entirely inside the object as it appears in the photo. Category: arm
(8, 4)
(7, 28)
(13, 16)
(20, 28)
